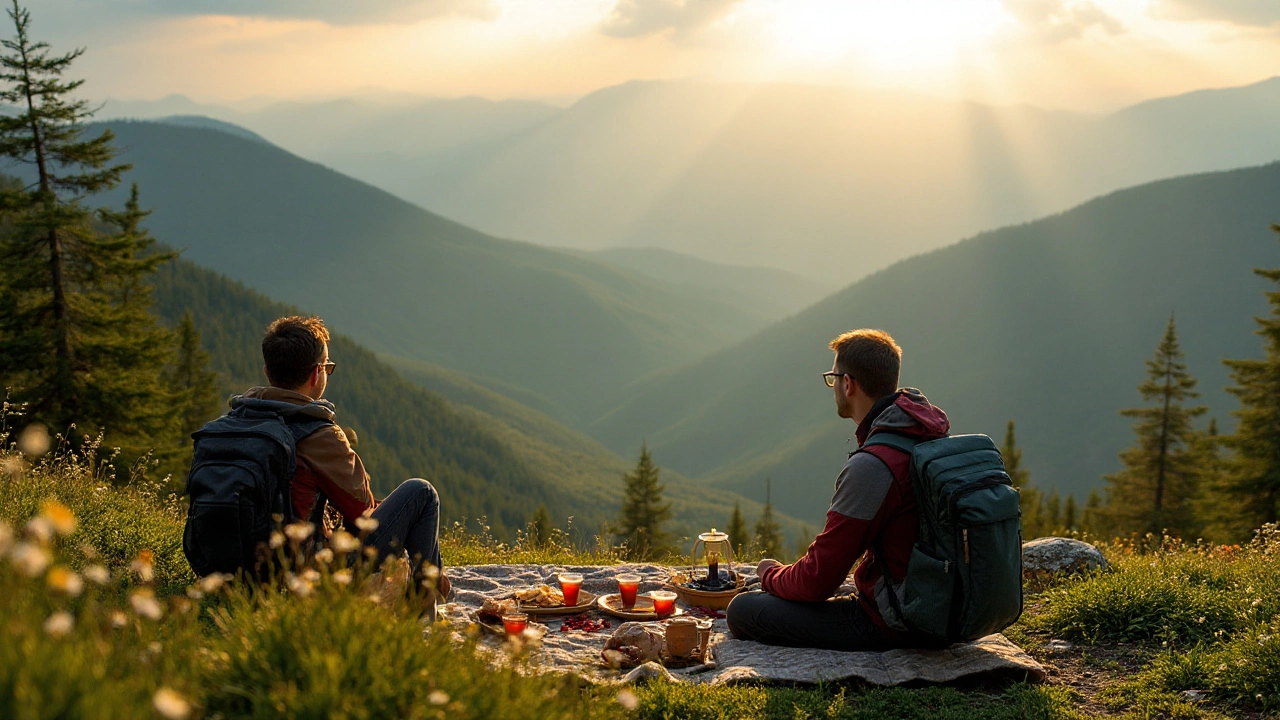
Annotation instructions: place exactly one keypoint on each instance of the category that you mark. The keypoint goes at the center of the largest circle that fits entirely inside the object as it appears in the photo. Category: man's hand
(766, 563)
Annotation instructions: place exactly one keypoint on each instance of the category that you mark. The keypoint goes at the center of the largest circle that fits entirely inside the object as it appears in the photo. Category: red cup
(664, 602)
(570, 584)
(628, 585)
(515, 623)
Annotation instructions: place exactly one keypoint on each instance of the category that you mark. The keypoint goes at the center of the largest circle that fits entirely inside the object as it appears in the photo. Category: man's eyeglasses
(328, 366)
(830, 377)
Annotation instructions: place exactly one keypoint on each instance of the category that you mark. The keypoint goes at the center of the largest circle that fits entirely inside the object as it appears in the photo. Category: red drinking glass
(570, 584)
(628, 585)
(515, 623)
(664, 602)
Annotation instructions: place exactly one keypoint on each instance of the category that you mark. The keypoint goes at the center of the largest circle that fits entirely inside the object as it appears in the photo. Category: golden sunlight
(910, 33)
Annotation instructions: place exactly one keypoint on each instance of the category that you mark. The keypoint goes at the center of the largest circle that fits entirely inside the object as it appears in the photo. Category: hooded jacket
(872, 511)
(328, 468)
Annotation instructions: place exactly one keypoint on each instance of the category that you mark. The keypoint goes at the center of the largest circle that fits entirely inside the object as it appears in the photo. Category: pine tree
(1052, 514)
(541, 528)
(1160, 484)
(194, 387)
(738, 532)
(768, 535)
(1030, 498)
(1254, 476)
(1222, 510)
(1069, 514)
(77, 342)
(643, 511)
(1091, 522)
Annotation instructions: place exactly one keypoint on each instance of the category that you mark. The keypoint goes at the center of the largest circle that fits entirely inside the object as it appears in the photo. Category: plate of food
(642, 610)
(542, 600)
(489, 616)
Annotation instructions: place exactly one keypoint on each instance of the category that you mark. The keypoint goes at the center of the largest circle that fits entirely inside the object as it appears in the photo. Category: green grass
(322, 644)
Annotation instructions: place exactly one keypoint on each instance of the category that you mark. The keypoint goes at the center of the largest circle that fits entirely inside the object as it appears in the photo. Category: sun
(914, 33)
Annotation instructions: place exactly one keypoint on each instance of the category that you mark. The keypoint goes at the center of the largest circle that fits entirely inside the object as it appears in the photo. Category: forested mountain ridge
(487, 455)
(404, 281)
(1048, 323)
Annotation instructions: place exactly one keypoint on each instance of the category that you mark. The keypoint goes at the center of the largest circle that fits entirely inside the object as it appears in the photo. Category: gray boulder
(1059, 556)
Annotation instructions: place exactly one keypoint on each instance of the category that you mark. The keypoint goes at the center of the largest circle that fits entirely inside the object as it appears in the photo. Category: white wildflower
(299, 586)
(146, 605)
(30, 559)
(628, 700)
(211, 582)
(298, 532)
(324, 556)
(119, 619)
(34, 440)
(143, 565)
(40, 529)
(342, 577)
(344, 542)
(59, 623)
(277, 540)
(97, 574)
(366, 524)
(438, 697)
(170, 704)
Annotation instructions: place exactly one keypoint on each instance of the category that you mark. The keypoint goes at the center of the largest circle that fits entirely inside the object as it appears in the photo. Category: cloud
(333, 12)
(637, 18)
(1241, 12)
(1055, 21)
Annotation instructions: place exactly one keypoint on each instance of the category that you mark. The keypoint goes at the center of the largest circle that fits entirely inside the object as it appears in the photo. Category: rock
(648, 671)
(1057, 646)
(1060, 556)
(1193, 695)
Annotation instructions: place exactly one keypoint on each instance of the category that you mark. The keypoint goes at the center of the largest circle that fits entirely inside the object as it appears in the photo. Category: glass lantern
(716, 548)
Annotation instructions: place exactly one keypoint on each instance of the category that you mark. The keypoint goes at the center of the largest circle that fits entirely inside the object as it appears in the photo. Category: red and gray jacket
(873, 515)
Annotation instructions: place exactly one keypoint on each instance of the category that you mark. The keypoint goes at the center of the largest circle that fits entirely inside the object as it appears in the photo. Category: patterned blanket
(730, 660)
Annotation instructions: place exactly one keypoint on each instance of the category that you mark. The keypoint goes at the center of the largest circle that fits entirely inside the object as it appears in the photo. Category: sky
(1081, 55)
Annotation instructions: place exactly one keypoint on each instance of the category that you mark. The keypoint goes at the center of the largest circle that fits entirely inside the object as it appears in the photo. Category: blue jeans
(409, 522)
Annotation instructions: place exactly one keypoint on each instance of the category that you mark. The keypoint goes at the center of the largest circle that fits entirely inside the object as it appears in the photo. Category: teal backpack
(964, 579)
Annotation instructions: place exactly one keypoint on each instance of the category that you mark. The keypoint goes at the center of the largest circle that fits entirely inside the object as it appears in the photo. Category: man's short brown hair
(292, 347)
(872, 358)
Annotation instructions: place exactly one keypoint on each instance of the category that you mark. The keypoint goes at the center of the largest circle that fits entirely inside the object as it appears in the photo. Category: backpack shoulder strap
(893, 440)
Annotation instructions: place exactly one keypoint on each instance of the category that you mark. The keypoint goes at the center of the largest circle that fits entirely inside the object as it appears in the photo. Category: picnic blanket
(731, 661)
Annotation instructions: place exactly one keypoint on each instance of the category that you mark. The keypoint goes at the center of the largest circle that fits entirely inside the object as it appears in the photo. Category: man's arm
(851, 523)
(340, 473)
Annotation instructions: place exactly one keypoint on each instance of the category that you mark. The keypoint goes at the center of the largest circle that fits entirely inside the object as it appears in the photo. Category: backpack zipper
(966, 546)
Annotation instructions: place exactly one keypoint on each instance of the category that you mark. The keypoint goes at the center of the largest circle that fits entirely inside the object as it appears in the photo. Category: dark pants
(409, 522)
(835, 624)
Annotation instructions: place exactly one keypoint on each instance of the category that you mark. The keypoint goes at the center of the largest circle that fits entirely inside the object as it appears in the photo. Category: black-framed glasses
(830, 377)
(328, 366)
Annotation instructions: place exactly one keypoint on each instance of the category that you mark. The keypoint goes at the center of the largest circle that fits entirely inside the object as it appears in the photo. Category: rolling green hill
(487, 455)
(1046, 323)
(568, 330)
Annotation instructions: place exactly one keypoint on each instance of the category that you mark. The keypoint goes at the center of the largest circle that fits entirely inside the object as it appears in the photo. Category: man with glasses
(873, 517)
(295, 352)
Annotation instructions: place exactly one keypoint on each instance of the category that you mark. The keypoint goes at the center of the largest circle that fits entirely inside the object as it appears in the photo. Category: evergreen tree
(1091, 522)
(194, 388)
(541, 528)
(1160, 484)
(1030, 498)
(643, 511)
(1255, 468)
(738, 535)
(1052, 514)
(77, 342)
(1069, 514)
(768, 535)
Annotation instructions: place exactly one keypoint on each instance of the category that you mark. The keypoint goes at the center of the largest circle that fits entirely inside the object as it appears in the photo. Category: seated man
(873, 516)
(329, 472)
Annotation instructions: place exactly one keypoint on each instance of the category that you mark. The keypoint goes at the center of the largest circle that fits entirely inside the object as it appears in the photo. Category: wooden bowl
(716, 600)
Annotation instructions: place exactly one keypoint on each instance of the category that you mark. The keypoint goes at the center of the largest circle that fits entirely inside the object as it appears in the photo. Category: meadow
(101, 618)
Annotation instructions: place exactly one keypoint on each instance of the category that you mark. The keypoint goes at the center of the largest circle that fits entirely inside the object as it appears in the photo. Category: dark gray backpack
(964, 579)
(239, 486)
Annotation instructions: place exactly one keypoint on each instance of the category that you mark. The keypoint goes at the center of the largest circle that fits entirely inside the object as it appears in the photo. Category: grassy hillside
(586, 471)
(400, 280)
(1046, 323)
(488, 455)
(798, 176)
